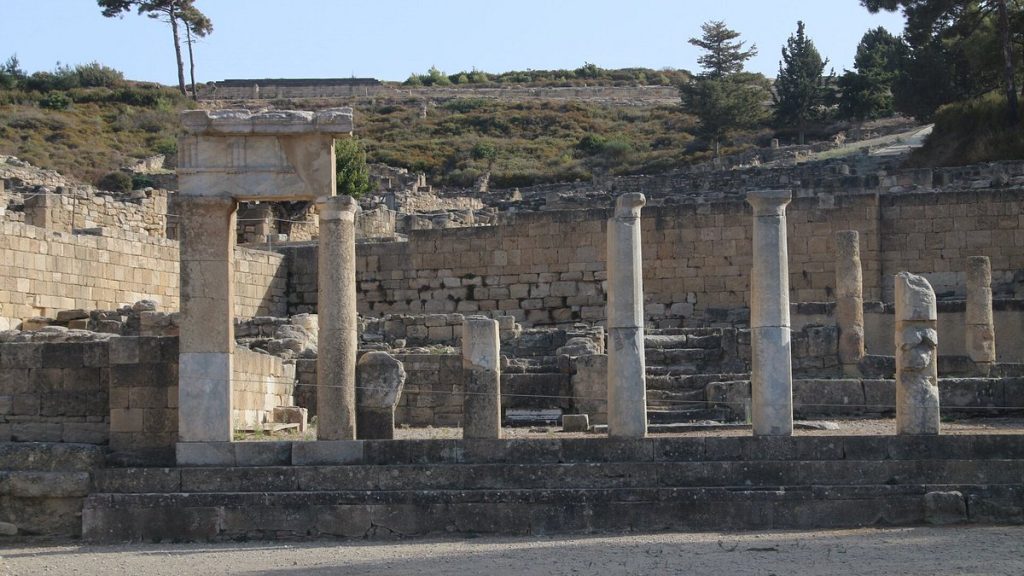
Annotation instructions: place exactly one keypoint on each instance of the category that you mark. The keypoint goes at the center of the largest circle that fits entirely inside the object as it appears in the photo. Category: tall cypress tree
(800, 86)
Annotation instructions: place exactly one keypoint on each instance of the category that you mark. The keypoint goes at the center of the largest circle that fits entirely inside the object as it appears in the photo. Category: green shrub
(55, 101)
(140, 181)
(96, 75)
(115, 182)
(166, 146)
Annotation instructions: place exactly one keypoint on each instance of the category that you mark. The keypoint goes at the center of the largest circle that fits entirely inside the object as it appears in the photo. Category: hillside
(454, 140)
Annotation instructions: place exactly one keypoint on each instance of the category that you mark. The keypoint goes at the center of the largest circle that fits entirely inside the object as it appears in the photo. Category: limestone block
(575, 423)
(481, 363)
(204, 397)
(380, 380)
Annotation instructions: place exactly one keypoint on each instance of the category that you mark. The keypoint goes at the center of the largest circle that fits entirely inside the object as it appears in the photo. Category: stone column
(917, 342)
(337, 318)
(849, 301)
(771, 361)
(981, 333)
(481, 407)
(627, 383)
(207, 334)
(381, 378)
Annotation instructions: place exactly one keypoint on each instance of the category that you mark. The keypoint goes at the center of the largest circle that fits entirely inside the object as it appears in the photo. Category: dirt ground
(836, 427)
(926, 551)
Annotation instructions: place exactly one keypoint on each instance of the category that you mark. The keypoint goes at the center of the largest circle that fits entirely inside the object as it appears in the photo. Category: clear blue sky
(389, 39)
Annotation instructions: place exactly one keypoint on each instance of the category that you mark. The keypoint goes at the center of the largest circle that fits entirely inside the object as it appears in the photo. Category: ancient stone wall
(268, 89)
(121, 390)
(261, 382)
(46, 271)
(548, 268)
(78, 208)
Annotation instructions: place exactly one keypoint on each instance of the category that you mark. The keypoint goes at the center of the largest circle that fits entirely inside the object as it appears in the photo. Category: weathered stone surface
(945, 508)
(771, 360)
(980, 334)
(575, 423)
(481, 354)
(917, 392)
(8, 529)
(627, 387)
(337, 319)
(381, 377)
(849, 300)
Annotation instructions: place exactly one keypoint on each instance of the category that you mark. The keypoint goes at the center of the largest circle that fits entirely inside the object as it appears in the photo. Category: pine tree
(800, 86)
(723, 57)
(724, 98)
(173, 12)
(867, 92)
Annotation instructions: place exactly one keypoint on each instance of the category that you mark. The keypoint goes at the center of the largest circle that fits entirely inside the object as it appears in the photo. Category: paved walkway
(925, 551)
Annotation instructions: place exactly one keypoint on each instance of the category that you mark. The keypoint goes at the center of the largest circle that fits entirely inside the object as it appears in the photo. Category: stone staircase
(413, 488)
(680, 363)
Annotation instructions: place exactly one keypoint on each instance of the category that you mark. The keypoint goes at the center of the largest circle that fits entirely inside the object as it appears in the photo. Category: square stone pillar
(481, 364)
(627, 379)
(207, 338)
(771, 360)
(338, 320)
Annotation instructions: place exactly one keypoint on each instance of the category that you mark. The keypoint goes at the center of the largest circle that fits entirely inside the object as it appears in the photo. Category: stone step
(681, 414)
(675, 398)
(589, 475)
(661, 341)
(677, 382)
(601, 449)
(403, 513)
(678, 356)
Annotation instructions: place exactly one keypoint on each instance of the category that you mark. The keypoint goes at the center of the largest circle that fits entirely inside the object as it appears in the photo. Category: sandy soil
(927, 551)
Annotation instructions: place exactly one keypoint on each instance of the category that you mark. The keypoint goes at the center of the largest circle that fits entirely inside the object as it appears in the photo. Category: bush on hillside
(971, 132)
(115, 182)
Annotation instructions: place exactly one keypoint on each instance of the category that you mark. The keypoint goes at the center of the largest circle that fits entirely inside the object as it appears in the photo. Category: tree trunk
(1008, 68)
(191, 62)
(173, 14)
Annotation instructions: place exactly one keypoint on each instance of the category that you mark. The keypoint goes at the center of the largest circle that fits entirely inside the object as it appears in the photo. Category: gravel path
(927, 551)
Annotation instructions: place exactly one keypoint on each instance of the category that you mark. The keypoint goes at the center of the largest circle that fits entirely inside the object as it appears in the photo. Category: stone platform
(412, 488)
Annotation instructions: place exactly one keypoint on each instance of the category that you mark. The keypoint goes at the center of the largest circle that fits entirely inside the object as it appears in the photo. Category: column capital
(342, 207)
(979, 270)
(769, 202)
(629, 205)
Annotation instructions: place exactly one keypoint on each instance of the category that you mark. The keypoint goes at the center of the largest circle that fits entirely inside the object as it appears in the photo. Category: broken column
(849, 301)
(337, 319)
(917, 376)
(981, 334)
(627, 386)
(380, 378)
(771, 362)
(207, 336)
(481, 407)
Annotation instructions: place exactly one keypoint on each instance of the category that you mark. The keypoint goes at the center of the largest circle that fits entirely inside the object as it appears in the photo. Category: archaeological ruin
(245, 354)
